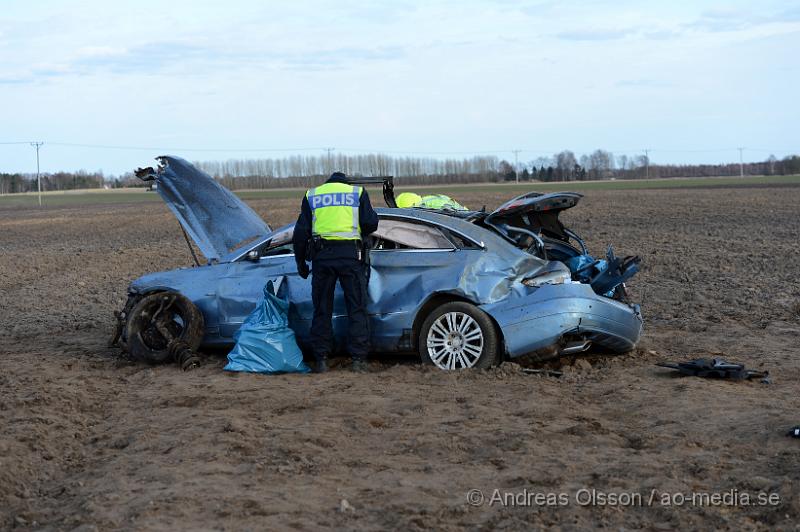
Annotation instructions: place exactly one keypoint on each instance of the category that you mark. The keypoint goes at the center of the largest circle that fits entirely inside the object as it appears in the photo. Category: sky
(110, 85)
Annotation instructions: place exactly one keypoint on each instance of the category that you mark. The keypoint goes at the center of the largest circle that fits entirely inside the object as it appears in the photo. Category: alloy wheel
(455, 341)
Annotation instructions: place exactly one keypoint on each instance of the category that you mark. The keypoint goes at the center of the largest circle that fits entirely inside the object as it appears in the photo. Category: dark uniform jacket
(342, 249)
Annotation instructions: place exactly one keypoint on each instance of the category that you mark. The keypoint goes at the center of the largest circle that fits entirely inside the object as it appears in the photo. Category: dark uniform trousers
(351, 275)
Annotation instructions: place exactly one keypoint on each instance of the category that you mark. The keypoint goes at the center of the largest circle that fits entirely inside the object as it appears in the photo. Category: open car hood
(213, 216)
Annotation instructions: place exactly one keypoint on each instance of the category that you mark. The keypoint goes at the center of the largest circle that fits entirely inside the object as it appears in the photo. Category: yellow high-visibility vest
(334, 211)
(440, 201)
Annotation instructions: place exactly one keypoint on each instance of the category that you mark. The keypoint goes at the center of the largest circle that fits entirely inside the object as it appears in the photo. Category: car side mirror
(253, 255)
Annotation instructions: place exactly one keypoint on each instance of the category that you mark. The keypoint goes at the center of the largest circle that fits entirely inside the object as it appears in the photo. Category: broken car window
(400, 234)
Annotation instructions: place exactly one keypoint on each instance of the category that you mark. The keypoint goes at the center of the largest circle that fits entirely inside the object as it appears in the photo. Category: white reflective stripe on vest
(333, 199)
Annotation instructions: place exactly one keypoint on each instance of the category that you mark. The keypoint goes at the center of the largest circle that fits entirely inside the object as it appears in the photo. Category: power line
(162, 149)
(328, 150)
(425, 152)
(705, 150)
(741, 162)
(37, 145)
(516, 163)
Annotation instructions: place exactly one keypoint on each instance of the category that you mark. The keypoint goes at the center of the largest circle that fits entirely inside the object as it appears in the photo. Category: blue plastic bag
(265, 343)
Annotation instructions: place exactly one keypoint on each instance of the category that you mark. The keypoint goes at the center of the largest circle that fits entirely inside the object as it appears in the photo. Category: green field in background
(118, 196)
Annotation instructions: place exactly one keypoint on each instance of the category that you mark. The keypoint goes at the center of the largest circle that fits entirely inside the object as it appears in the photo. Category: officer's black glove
(302, 270)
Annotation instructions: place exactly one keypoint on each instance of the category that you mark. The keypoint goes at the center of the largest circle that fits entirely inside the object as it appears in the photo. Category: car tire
(458, 335)
(174, 315)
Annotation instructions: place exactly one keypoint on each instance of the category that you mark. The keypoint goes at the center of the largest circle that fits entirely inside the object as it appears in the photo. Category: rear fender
(543, 317)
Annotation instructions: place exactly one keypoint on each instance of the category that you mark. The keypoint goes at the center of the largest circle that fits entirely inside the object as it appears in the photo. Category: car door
(410, 259)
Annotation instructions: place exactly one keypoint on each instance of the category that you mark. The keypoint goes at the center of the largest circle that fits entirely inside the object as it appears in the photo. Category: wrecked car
(463, 289)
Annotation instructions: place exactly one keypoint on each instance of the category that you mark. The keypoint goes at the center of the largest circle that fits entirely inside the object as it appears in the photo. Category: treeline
(11, 183)
(307, 170)
(601, 164)
(304, 171)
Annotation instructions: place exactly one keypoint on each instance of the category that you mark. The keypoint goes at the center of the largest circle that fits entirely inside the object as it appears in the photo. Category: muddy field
(92, 441)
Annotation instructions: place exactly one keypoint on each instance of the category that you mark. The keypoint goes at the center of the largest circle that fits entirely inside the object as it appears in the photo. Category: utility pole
(741, 162)
(38, 176)
(329, 150)
(647, 162)
(516, 163)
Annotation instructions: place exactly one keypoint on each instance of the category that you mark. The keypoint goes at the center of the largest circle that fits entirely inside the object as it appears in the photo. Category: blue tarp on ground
(265, 343)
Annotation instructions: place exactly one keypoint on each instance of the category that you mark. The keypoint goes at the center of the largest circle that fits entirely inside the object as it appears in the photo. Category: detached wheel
(159, 319)
(457, 336)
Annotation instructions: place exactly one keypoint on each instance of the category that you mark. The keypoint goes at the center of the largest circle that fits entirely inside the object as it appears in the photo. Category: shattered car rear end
(460, 288)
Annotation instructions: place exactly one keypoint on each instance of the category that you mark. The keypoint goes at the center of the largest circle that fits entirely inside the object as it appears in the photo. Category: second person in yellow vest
(431, 201)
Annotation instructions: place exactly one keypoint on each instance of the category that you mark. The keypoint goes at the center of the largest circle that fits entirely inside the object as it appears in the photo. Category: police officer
(334, 217)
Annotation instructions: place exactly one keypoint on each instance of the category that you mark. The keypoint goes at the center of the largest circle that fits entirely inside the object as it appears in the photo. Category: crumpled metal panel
(213, 216)
(482, 275)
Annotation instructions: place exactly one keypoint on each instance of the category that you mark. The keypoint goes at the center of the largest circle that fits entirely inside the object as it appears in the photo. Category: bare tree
(600, 164)
(565, 163)
(622, 162)
(771, 160)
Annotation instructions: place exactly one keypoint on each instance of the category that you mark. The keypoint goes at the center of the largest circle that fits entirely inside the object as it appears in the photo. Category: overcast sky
(681, 77)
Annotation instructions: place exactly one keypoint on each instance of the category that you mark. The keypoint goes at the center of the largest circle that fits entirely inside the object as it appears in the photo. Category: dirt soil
(91, 441)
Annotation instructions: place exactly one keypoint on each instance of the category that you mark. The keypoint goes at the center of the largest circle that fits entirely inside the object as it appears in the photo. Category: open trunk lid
(213, 216)
(532, 202)
(535, 211)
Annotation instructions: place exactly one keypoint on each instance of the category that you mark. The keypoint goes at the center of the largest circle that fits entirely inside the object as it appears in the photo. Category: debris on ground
(795, 432)
(714, 368)
(345, 506)
(545, 372)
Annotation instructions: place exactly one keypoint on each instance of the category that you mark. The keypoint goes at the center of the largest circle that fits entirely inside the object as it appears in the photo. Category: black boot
(322, 365)
(359, 365)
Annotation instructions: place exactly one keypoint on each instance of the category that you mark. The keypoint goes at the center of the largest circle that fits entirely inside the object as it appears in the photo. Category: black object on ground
(714, 368)
(795, 432)
(545, 372)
